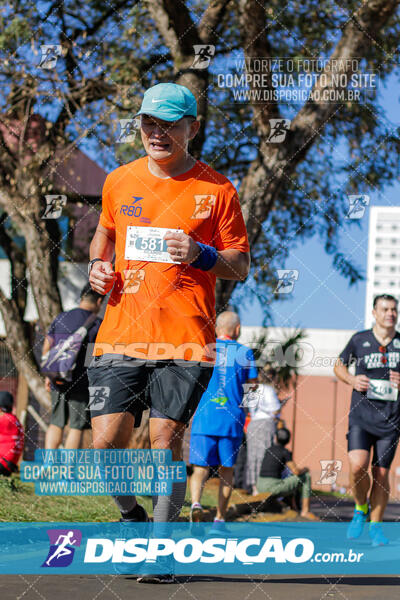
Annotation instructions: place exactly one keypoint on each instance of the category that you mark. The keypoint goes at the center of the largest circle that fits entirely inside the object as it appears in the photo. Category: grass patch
(18, 502)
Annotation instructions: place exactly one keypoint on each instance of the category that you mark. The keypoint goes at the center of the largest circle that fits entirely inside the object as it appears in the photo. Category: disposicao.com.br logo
(248, 551)
(62, 547)
(244, 548)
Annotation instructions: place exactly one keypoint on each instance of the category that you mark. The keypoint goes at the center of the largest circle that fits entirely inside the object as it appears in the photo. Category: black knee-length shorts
(384, 447)
(171, 389)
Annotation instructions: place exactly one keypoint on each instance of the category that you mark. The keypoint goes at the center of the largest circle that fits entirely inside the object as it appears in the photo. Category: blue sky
(321, 297)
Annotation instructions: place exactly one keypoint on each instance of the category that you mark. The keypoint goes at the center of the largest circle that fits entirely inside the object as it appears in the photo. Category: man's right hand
(102, 277)
(360, 383)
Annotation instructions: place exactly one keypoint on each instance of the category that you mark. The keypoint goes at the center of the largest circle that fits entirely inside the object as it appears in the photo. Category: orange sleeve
(229, 229)
(107, 219)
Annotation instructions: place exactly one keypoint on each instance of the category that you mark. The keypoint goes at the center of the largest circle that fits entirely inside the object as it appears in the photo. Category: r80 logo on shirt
(204, 204)
(132, 281)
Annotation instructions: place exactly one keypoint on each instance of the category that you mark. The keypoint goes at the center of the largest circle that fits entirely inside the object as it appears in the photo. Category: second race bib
(381, 389)
(147, 244)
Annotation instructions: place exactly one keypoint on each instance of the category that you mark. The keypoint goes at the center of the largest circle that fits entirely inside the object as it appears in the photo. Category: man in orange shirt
(175, 225)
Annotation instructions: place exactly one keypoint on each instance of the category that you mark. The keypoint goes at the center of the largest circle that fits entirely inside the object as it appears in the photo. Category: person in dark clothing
(370, 365)
(11, 436)
(70, 401)
(270, 480)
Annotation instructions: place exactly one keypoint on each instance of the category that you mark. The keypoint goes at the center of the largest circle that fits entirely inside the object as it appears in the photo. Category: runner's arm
(232, 264)
(103, 244)
(358, 382)
(394, 377)
(342, 372)
(47, 344)
(295, 469)
(102, 274)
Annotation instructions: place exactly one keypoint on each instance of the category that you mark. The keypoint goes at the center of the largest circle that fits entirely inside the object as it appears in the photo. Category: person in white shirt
(263, 408)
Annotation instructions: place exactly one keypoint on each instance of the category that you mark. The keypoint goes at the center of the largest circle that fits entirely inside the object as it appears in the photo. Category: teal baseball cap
(169, 102)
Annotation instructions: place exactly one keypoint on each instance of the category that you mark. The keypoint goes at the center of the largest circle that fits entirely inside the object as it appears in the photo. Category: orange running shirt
(157, 310)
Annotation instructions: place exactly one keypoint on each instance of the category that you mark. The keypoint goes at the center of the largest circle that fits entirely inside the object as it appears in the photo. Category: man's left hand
(181, 247)
(395, 378)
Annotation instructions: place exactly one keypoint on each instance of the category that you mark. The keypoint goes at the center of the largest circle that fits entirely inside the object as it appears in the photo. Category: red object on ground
(11, 439)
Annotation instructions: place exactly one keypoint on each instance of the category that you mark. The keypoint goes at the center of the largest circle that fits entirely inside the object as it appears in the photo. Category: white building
(317, 351)
(383, 269)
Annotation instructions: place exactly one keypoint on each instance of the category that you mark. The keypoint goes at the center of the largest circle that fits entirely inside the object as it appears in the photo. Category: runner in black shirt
(374, 418)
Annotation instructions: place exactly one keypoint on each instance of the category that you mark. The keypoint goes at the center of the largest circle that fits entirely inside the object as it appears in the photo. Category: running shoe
(357, 523)
(167, 564)
(138, 515)
(219, 527)
(196, 517)
(196, 513)
(377, 536)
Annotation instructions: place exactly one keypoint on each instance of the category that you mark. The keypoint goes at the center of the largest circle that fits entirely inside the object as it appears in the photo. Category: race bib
(381, 389)
(147, 244)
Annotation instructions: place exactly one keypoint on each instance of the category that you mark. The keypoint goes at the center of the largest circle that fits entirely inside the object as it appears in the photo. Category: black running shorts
(171, 389)
(384, 447)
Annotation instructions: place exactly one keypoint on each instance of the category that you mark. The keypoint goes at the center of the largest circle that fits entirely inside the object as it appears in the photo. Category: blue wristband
(207, 258)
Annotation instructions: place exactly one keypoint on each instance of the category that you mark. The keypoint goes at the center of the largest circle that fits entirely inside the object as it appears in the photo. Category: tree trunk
(21, 350)
(40, 260)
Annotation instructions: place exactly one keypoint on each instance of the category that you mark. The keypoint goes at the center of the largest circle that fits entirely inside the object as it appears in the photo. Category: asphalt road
(201, 587)
(328, 508)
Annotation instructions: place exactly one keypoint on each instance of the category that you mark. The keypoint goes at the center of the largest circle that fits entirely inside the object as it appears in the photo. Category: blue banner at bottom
(184, 548)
